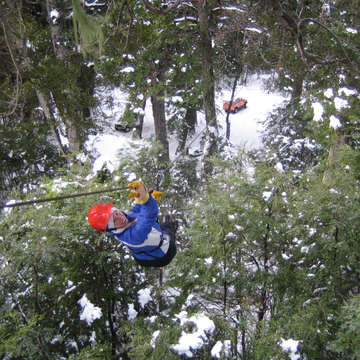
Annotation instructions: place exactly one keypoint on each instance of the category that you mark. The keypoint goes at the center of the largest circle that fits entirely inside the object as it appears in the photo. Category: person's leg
(169, 224)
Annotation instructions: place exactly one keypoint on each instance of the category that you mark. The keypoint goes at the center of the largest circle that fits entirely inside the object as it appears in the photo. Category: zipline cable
(30, 202)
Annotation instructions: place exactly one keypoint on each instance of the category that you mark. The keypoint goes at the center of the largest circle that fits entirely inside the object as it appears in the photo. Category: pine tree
(54, 259)
(317, 273)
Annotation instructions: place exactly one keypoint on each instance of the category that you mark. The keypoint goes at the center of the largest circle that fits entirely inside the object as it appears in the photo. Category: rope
(30, 202)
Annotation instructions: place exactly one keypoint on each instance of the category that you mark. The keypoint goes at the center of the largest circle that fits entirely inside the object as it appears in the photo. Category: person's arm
(144, 207)
(145, 211)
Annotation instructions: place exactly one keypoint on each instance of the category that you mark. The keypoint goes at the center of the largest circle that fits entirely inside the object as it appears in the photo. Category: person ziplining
(152, 244)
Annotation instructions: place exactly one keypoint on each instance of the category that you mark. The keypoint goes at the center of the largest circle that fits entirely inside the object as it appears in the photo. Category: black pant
(170, 228)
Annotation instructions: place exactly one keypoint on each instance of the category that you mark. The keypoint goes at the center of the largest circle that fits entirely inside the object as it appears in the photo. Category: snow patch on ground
(246, 126)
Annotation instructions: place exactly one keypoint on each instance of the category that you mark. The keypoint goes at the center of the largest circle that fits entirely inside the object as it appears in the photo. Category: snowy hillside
(245, 125)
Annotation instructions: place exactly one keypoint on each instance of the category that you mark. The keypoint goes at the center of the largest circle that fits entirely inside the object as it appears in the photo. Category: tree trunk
(231, 101)
(140, 121)
(298, 86)
(74, 138)
(333, 158)
(189, 126)
(204, 10)
(44, 103)
(61, 52)
(158, 106)
(57, 27)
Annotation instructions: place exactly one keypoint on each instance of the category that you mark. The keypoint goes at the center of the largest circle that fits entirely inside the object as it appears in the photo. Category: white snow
(286, 257)
(290, 346)
(245, 130)
(89, 311)
(194, 340)
(127, 69)
(304, 249)
(110, 149)
(132, 313)
(329, 93)
(151, 319)
(144, 296)
(351, 30)
(7, 210)
(54, 15)
(216, 350)
(347, 92)
(155, 335)
(335, 122)
(253, 29)
(279, 167)
(230, 235)
(318, 111)
(219, 347)
(92, 338)
(340, 103)
(246, 125)
(266, 195)
(70, 287)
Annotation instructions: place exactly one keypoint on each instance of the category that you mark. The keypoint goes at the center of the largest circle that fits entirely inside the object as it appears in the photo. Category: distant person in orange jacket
(151, 244)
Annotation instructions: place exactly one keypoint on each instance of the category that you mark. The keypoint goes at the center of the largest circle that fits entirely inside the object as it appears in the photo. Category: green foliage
(284, 250)
(184, 177)
(316, 274)
(88, 28)
(347, 341)
(97, 352)
(127, 121)
(143, 163)
(23, 162)
(14, 331)
(266, 254)
(144, 346)
(54, 257)
(220, 249)
(270, 259)
(290, 134)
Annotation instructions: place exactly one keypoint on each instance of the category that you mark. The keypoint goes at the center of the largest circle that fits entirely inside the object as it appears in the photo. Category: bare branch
(328, 30)
(294, 26)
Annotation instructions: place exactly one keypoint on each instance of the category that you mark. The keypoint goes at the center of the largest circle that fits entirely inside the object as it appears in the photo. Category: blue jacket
(144, 238)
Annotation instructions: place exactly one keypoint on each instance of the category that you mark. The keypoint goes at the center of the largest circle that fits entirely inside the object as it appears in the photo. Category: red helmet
(98, 216)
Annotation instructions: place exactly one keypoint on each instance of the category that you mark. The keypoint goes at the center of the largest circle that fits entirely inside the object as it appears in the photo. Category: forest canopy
(268, 243)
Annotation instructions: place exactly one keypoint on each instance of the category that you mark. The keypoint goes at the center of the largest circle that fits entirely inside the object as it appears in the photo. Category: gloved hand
(157, 195)
(135, 185)
(138, 191)
(133, 194)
